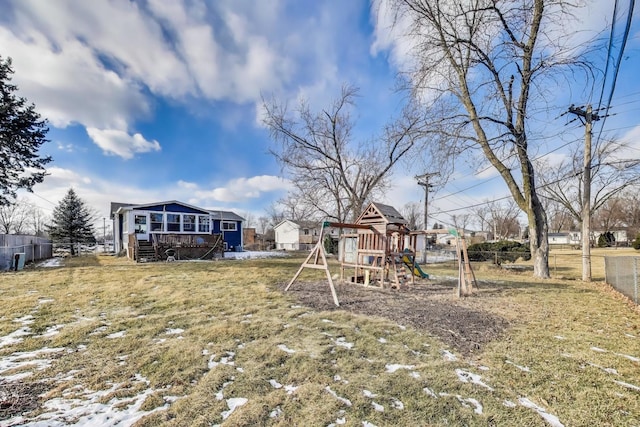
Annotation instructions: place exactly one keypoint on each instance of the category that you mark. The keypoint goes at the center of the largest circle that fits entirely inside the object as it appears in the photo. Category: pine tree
(22, 132)
(72, 222)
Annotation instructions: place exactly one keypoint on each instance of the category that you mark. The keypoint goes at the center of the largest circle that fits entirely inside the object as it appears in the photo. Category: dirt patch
(429, 307)
(18, 398)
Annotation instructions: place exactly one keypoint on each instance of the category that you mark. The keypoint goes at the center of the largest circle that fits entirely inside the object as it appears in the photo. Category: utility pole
(423, 181)
(104, 234)
(587, 117)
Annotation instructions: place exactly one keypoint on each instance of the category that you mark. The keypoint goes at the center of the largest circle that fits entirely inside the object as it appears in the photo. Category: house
(296, 235)
(564, 238)
(173, 223)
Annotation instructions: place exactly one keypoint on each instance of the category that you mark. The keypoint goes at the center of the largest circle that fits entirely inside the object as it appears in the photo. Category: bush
(503, 250)
(636, 243)
(606, 239)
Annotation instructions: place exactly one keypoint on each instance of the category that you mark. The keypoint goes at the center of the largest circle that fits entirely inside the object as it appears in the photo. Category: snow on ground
(51, 262)
(255, 254)
(80, 407)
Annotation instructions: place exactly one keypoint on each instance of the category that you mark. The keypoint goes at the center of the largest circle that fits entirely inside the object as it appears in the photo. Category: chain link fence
(622, 273)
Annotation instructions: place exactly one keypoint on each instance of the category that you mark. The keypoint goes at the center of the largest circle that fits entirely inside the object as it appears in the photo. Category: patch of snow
(25, 320)
(448, 356)
(341, 421)
(15, 337)
(342, 343)
(402, 327)
(290, 389)
(559, 337)
(275, 384)
(607, 370)
(391, 368)
(51, 262)
(276, 413)
(45, 300)
(285, 349)
(377, 407)
(627, 385)
(509, 404)
(233, 404)
(368, 424)
(599, 350)
(632, 358)
(629, 335)
(468, 377)
(549, 418)
(430, 392)
(51, 331)
(327, 321)
(254, 255)
(522, 368)
(176, 331)
(397, 405)
(89, 411)
(334, 394)
(414, 374)
(464, 402)
(382, 340)
(118, 334)
(369, 394)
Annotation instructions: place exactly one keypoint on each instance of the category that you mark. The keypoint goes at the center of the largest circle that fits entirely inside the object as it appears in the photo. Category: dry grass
(198, 331)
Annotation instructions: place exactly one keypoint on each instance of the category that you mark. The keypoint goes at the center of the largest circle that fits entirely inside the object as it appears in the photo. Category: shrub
(501, 251)
(606, 239)
(636, 243)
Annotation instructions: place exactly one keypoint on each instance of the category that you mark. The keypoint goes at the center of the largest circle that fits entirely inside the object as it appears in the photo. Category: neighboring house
(564, 238)
(620, 236)
(144, 221)
(296, 235)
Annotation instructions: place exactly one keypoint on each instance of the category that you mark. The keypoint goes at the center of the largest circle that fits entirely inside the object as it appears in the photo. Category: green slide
(417, 271)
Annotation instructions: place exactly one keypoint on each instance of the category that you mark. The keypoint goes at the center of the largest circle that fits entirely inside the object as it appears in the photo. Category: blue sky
(160, 100)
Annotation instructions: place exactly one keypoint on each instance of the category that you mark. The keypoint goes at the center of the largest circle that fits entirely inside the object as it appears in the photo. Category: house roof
(224, 215)
(300, 224)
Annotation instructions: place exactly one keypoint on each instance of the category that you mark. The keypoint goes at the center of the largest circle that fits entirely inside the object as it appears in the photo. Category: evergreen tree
(72, 222)
(22, 132)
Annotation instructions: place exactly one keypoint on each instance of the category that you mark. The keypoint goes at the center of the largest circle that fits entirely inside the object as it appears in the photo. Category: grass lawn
(104, 341)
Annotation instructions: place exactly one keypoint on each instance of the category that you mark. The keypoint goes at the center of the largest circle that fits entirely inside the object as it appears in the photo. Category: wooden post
(317, 253)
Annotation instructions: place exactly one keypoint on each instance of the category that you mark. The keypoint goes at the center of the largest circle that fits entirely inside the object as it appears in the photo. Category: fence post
(635, 280)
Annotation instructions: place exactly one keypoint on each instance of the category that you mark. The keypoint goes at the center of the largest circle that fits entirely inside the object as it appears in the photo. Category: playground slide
(417, 271)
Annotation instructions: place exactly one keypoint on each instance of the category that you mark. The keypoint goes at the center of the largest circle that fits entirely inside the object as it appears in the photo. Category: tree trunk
(538, 238)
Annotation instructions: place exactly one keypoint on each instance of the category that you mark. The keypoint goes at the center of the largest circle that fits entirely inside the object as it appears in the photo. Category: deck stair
(145, 251)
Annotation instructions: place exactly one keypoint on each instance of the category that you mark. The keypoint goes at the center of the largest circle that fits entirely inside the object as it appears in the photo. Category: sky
(155, 100)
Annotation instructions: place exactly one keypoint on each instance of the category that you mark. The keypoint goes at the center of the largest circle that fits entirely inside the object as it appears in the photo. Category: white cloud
(68, 85)
(120, 143)
(242, 189)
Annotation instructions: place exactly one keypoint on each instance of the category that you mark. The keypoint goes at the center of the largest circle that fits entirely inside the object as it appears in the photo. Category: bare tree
(14, 218)
(249, 219)
(461, 221)
(330, 170)
(560, 219)
(412, 212)
(499, 218)
(610, 176)
(484, 62)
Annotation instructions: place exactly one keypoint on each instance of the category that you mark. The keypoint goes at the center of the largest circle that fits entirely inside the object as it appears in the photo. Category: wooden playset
(377, 249)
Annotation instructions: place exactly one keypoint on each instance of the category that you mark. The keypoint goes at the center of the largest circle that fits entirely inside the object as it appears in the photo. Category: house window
(173, 222)
(306, 231)
(157, 222)
(141, 224)
(188, 223)
(229, 226)
(204, 224)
